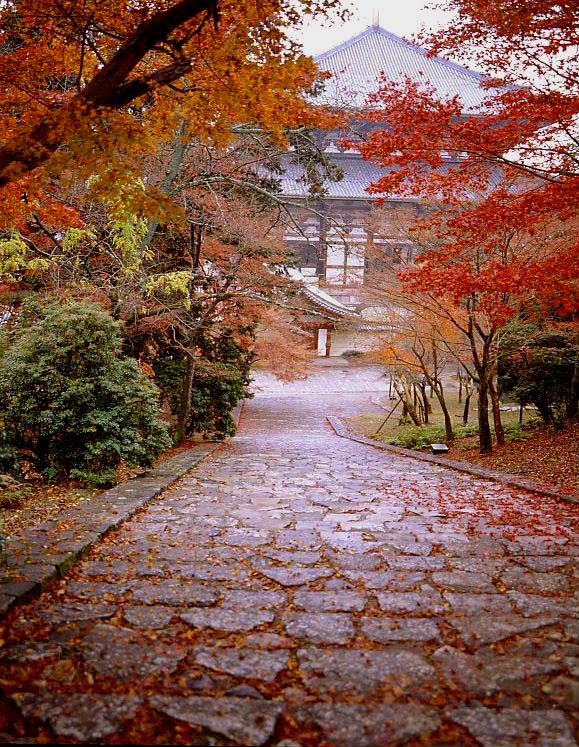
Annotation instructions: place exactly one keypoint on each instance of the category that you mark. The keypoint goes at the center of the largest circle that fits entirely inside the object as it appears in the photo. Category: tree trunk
(483, 363)
(405, 395)
(496, 407)
(545, 412)
(425, 401)
(447, 419)
(484, 428)
(412, 411)
(465, 412)
(185, 400)
(573, 403)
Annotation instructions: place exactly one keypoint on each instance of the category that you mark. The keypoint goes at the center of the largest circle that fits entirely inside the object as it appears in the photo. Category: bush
(536, 366)
(217, 389)
(70, 403)
(9, 456)
(420, 437)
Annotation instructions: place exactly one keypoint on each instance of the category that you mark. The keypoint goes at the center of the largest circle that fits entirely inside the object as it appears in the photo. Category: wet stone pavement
(297, 588)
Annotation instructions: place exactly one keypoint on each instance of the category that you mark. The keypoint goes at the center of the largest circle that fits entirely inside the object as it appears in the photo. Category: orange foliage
(87, 88)
(281, 346)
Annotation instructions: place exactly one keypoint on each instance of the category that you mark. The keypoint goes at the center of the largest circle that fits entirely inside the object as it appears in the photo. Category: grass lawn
(410, 436)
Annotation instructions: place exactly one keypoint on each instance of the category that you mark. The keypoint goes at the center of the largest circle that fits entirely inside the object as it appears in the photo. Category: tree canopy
(506, 175)
(88, 88)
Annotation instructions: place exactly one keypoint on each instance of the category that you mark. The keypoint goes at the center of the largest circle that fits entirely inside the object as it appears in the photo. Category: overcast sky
(403, 17)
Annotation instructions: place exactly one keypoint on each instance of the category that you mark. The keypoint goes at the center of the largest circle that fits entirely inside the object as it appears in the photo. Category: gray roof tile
(358, 174)
(357, 63)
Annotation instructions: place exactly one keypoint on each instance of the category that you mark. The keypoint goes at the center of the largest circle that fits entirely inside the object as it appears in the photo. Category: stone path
(302, 589)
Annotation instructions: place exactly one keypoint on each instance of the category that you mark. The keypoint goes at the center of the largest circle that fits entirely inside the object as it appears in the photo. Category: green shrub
(217, 389)
(420, 437)
(70, 403)
(536, 366)
(9, 455)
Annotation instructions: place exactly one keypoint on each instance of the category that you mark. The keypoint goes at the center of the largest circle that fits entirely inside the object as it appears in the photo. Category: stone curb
(344, 431)
(36, 557)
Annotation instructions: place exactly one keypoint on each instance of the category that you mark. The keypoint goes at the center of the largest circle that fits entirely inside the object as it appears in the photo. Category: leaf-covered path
(302, 589)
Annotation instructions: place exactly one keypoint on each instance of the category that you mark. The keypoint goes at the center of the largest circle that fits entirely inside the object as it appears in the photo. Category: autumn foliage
(500, 183)
(89, 88)
(506, 174)
(137, 139)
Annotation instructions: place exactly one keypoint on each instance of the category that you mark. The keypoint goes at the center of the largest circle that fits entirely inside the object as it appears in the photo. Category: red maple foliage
(503, 180)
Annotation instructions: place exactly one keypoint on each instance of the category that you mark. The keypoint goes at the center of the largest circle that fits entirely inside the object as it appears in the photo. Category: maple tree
(501, 181)
(129, 174)
(196, 293)
(428, 328)
(417, 346)
(121, 77)
(466, 322)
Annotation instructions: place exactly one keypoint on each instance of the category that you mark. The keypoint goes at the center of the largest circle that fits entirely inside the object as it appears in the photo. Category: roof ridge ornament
(376, 17)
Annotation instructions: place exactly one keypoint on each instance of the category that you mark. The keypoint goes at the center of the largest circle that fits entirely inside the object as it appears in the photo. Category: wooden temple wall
(337, 241)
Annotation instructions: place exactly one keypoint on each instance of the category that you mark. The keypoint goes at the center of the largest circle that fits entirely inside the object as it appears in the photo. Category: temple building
(340, 236)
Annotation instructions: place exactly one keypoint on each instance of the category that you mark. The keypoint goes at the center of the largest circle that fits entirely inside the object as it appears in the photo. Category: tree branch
(109, 88)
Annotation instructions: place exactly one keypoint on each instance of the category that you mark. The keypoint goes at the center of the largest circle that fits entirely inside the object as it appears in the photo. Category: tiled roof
(321, 299)
(358, 174)
(357, 63)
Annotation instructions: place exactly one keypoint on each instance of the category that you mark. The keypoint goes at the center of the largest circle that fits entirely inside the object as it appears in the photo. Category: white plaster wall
(343, 340)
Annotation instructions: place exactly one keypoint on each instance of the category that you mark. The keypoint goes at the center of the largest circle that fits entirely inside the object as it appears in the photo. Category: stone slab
(73, 611)
(152, 617)
(293, 576)
(123, 654)
(226, 620)
(330, 601)
(487, 628)
(244, 720)
(362, 671)
(242, 599)
(242, 662)
(490, 673)
(457, 581)
(84, 717)
(427, 601)
(175, 593)
(319, 627)
(385, 629)
(391, 580)
(513, 727)
(360, 726)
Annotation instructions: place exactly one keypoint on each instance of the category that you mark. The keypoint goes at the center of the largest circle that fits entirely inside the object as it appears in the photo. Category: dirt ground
(549, 456)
